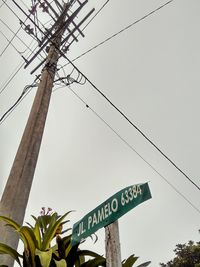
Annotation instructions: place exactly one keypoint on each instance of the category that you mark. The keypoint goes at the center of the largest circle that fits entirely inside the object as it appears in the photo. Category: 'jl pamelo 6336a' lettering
(110, 210)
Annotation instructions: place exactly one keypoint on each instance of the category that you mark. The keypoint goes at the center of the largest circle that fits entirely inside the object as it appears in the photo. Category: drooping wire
(20, 39)
(10, 43)
(123, 115)
(135, 151)
(121, 31)
(68, 79)
(12, 76)
(14, 73)
(15, 35)
(25, 91)
(134, 125)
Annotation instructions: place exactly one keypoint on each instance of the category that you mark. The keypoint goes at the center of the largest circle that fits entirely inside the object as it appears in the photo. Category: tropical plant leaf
(65, 222)
(51, 230)
(29, 225)
(30, 242)
(54, 248)
(98, 261)
(130, 261)
(81, 259)
(67, 240)
(144, 264)
(71, 255)
(5, 249)
(65, 231)
(94, 239)
(10, 222)
(44, 256)
(61, 263)
(35, 218)
(88, 253)
(36, 231)
(77, 262)
(61, 247)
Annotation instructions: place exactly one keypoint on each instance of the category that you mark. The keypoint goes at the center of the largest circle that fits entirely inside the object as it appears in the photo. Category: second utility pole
(16, 193)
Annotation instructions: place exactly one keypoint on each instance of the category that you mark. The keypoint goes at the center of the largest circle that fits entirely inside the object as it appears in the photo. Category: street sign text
(110, 210)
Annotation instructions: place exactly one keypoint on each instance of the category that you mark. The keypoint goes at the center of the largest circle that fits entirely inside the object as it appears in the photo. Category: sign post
(113, 251)
(110, 211)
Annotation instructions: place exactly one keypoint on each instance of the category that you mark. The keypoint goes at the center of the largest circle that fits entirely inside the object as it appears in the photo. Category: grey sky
(150, 72)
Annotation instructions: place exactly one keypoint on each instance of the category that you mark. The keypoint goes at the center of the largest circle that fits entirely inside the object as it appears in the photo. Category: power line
(19, 67)
(27, 17)
(122, 114)
(20, 39)
(15, 35)
(27, 90)
(119, 32)
(15, 72)
(3, 3)
(10, 43)
(135, 151)
(17, 102)
(134, 125)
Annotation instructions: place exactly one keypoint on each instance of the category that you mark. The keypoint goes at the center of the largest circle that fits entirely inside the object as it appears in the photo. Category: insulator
(47, 48)
(33, 9)
(44, 7)
(65, 49)
(28, 29)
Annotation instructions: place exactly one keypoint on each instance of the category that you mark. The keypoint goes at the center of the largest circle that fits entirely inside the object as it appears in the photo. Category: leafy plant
(39, 252)
(187, 255)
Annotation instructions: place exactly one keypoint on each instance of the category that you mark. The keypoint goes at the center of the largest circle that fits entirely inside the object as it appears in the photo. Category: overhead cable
(121, 31)
(135, 151)
(15, 35)
(25, 91)
(134, 125)
(9, 43)
(3, 3)
(12, 76)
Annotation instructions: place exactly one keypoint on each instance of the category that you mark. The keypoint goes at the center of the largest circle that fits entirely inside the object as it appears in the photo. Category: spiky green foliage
(39, 252)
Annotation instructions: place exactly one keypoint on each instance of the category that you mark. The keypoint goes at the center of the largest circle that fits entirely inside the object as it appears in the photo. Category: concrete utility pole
(16, 193)
(113, 251)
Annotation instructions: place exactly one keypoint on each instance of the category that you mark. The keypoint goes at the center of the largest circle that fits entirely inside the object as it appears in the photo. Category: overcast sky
(151, 73)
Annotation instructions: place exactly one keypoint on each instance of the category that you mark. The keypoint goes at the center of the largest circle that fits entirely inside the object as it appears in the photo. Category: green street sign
(110, 210)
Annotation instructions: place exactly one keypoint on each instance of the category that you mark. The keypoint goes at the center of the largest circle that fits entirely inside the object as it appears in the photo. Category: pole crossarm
(49, 36)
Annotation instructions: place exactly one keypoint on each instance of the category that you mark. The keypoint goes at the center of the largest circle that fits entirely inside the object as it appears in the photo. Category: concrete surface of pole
(113, 251)
(16, 193)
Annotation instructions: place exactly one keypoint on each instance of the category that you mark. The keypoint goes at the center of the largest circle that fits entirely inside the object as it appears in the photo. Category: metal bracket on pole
(113, 251)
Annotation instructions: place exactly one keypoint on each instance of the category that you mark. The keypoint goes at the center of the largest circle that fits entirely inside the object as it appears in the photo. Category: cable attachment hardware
(27, 28)
(33, 9)
(44, 7)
